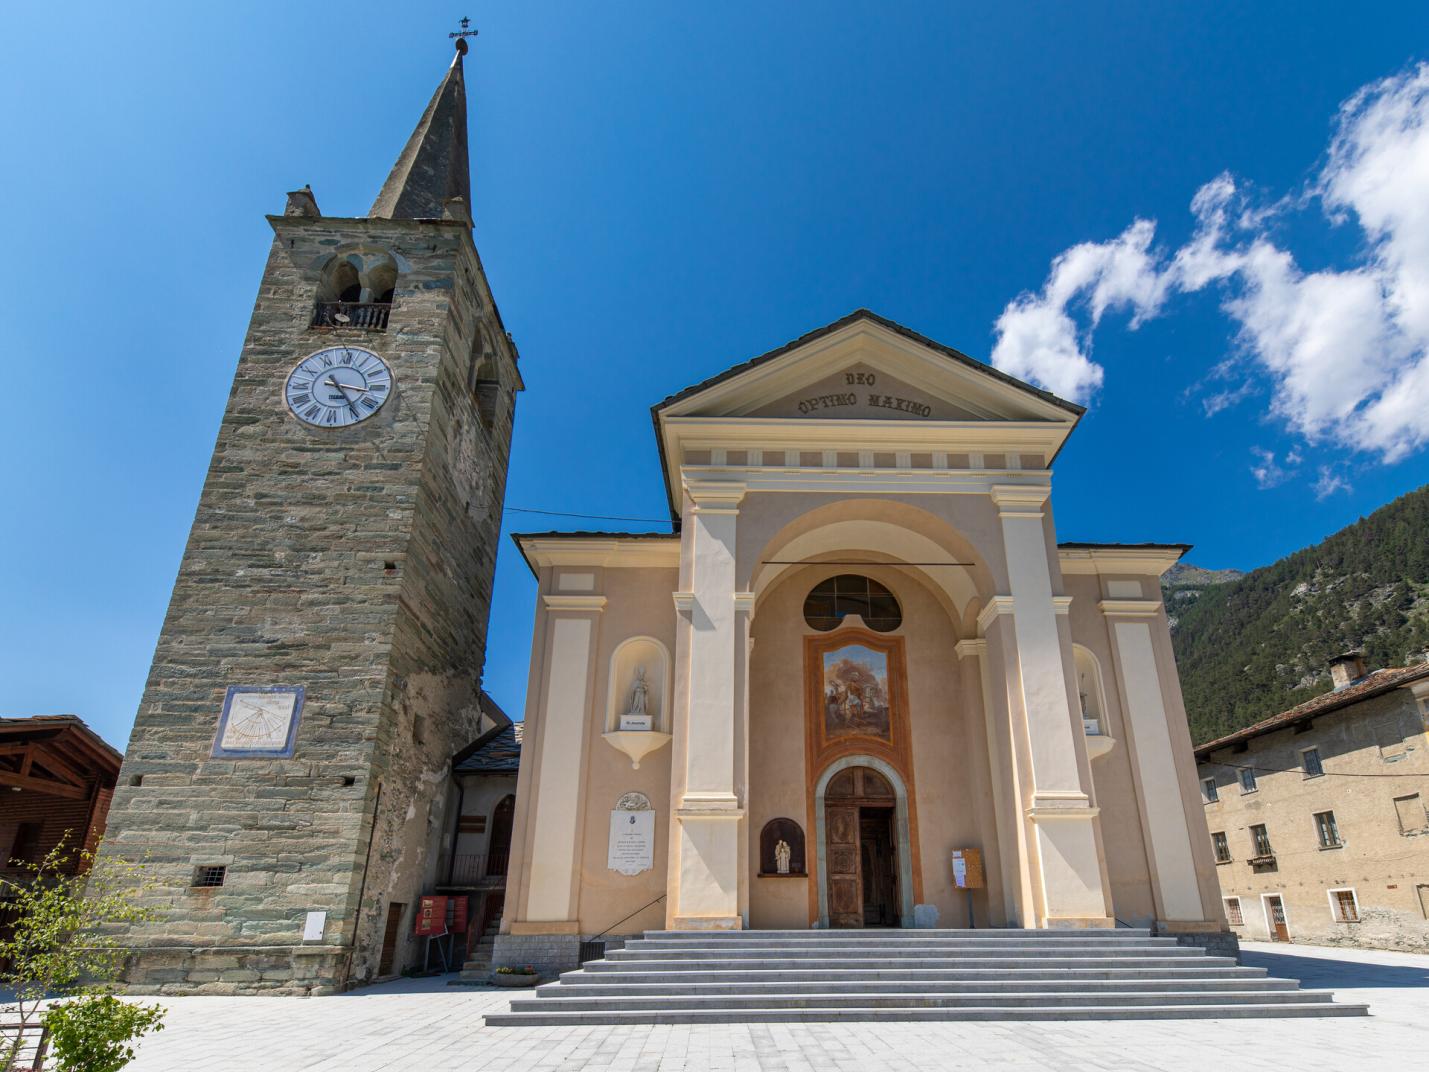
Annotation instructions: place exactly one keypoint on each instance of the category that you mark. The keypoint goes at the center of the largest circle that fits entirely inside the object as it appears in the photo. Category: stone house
(1317, 815)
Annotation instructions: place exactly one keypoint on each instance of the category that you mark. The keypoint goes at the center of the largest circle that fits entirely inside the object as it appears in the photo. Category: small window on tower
(209, 877)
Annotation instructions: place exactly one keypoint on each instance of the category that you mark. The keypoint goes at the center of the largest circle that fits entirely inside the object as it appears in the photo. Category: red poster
(431, 916)
(456, 915)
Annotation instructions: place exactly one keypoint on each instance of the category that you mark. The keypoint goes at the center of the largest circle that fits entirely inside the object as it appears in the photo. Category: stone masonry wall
(327, 559)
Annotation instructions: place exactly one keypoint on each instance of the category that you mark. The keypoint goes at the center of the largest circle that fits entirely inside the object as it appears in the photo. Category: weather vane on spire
(461, 35)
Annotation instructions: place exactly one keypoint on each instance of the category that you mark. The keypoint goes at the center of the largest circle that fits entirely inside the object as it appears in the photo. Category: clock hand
(349, 386)
(345, 397)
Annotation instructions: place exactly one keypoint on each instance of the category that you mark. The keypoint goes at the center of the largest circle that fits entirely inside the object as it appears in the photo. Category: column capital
(972, 646)
(1020, 500)
(684, 602)
(744, 601)
(996, 605)
(574, 603)
(712, 496)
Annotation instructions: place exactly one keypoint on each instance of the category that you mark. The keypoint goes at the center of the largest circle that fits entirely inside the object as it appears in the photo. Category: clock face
(338, 386)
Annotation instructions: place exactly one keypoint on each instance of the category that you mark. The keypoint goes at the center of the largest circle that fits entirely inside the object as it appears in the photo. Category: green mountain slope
(1254, 646)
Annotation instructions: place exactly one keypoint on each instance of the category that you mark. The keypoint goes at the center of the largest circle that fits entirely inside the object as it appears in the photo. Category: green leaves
(93, 1033)
(58, 947)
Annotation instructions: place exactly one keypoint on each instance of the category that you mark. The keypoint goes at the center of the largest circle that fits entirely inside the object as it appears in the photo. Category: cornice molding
(859, 481)
(1136, 561)
(744, 601)
(971, 647)
(684, 602)
(658, 551)
(1130, 608)
(574, 603)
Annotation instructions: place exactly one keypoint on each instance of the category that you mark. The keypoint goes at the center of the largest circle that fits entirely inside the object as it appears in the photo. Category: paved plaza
(431, 1027)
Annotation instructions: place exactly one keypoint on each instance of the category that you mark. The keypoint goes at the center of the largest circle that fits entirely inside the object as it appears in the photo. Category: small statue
(639, 693)
(782, 852)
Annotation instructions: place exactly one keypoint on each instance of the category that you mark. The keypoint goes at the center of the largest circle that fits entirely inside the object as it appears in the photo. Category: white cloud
(1267, 471)
(1344, 351)
(1037, 338)
(1329, 483)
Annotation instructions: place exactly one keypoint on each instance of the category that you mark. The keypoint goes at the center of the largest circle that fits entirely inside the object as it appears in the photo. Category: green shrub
(93, 1033)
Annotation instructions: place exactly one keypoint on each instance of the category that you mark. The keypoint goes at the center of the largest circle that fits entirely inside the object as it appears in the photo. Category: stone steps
(613, 1018)
(783, 976)
(567, 988)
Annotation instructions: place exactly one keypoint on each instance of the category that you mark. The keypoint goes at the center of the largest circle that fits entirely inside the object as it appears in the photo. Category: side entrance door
(1275, 908)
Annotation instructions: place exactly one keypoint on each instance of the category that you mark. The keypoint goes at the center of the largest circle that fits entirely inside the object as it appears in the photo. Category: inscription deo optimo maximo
(850, 398)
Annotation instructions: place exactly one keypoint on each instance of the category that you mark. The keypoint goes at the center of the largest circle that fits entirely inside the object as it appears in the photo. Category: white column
(1064, 835)
(706, 872)
(1166, 832)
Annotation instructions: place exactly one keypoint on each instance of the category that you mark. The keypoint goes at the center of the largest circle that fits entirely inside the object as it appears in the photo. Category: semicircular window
(848, 593)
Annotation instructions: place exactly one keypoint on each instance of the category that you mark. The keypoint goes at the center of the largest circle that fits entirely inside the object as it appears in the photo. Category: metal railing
(370, 316)
(25, 1044)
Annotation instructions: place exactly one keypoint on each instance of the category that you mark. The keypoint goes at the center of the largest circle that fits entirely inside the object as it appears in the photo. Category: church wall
(638, 604)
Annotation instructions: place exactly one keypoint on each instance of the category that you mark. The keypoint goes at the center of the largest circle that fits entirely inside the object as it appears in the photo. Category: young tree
(58, 948)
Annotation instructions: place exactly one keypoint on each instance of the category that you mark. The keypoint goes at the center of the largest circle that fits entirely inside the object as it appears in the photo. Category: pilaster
(552, 879)
(1061, 824)
(1166, 832)
(705, 875)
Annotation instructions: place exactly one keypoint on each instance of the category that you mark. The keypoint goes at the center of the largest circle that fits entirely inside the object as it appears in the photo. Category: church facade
(862, 684)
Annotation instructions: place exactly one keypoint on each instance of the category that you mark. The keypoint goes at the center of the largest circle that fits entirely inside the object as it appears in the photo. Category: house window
(1328, 832)
(1233, 913)
(1208, 791)
(1247, 780)
(1260, 840)
(1310, 760)
(1344, 906)
(1221, 847)
(1410, 809)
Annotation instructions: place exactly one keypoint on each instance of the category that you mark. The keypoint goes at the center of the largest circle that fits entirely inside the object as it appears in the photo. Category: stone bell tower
(321, 656)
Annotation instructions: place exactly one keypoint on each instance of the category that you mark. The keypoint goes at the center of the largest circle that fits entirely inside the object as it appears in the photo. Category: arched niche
(1092, 694)
(791, 834)
(641, 653)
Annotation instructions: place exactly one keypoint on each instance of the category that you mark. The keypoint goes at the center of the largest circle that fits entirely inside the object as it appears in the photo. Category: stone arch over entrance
(901, 829)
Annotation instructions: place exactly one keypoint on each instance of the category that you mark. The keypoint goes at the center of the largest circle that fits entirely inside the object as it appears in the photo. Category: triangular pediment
(867, 368)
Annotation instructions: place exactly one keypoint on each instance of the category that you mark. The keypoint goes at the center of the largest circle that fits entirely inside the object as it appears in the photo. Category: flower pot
(509, 979)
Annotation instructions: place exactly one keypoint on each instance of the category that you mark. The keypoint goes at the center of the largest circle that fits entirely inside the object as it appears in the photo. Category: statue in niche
(639, 693)
(782, 853)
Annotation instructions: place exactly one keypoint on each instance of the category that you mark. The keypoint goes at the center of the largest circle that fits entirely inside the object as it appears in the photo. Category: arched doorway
(865, 873)
(498, 851)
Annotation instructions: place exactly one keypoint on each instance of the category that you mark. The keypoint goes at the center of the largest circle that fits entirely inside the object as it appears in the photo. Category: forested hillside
(1251, 647)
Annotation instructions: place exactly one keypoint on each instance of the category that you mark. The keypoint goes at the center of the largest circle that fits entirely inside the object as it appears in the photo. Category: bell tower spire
(433, 168)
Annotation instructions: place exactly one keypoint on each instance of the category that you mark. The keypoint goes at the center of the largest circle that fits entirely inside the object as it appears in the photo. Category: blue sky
(663, 190)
